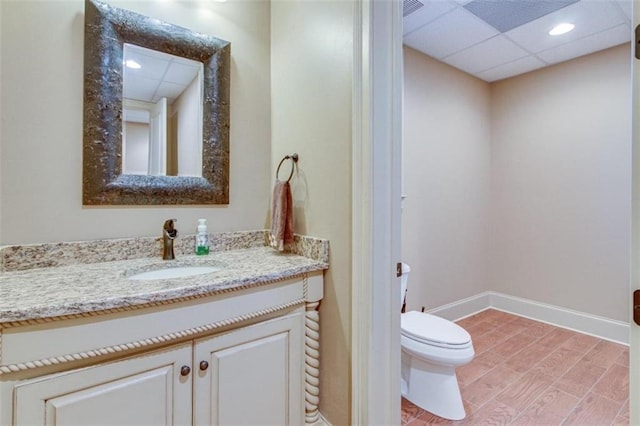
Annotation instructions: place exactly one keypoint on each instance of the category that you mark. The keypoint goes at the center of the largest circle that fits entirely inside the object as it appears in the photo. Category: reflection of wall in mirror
(186, 125)
(136, 150)
(172, 144)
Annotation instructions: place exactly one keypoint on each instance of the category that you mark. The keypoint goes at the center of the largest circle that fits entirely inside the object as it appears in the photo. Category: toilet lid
(434, 330)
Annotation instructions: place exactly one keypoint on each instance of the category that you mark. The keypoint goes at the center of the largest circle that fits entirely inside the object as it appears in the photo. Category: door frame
(376, 187)
(634, 330)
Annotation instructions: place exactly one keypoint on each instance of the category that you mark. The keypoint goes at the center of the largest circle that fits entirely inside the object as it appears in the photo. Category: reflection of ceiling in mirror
(160, 75)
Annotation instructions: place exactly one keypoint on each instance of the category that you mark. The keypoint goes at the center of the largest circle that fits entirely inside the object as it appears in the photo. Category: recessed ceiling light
(130, 63)
(561, 29)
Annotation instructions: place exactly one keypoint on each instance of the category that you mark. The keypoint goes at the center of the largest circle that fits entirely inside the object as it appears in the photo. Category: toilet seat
(434, 331)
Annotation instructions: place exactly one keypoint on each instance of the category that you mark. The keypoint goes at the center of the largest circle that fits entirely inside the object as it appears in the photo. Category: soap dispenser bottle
(202, 238)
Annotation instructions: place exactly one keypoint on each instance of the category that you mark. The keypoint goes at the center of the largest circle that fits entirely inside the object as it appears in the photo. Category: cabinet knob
(204, 365)
(185, 370)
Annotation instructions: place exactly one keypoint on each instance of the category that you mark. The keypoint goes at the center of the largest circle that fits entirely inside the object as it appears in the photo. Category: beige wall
(446, 154)
(561, 162)
(311, 61)
(555, 144)
(189, 117)
(41, 154)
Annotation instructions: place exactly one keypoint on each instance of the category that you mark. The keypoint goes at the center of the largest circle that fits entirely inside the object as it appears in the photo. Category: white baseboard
(463, 308)
(604, 328)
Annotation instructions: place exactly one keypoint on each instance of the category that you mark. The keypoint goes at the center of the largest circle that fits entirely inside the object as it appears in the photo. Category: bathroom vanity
(86, 344)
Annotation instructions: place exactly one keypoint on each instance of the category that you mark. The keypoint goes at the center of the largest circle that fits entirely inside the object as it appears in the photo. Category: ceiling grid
(497, 39)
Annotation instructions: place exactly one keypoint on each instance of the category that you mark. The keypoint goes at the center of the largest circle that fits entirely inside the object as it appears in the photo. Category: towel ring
(294, 160)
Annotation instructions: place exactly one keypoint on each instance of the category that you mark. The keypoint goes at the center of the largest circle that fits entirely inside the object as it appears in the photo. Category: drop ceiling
(497, 39)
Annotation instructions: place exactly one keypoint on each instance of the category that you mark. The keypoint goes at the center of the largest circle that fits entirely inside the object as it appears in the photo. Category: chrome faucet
(169, 233)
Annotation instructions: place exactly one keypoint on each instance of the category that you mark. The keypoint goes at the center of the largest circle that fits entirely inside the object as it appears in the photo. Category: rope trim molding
(45, 320)
(312, 362)
(150, 342)
(305, 286)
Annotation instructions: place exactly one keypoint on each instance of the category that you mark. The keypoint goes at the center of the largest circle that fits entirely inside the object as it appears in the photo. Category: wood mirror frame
(106, 30)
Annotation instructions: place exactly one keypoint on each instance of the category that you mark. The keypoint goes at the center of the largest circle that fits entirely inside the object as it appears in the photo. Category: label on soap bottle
(202, 244)
(202, 250)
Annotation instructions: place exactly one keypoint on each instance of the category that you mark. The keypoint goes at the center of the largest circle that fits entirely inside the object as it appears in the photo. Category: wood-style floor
(530, 373)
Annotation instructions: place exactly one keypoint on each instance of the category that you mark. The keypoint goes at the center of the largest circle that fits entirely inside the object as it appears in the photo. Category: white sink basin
(176, 272)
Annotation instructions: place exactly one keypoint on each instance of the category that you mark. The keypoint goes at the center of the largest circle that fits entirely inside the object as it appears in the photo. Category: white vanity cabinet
(145, 390)
(249, 376)
(253, 376)
(243, 357)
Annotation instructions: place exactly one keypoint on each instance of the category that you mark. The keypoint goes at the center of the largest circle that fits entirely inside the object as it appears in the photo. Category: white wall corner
(603, 328)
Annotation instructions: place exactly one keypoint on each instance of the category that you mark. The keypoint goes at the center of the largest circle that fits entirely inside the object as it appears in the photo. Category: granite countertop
(80, 288)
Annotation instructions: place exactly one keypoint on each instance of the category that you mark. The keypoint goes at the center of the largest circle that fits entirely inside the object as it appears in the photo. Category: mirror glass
(162, 113)
(150, 137)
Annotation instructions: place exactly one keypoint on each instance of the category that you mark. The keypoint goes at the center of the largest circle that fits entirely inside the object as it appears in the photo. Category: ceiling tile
(181, 73)
(450, 33)
(589, 16)
(506, 15)
(139, 88)
(186, 61)
(139, 50)
(150, 67)
(488, 54)
(168, 90)
(625, 6)
(410, 6)
(519, 66)
(429, 12)
(586, 45)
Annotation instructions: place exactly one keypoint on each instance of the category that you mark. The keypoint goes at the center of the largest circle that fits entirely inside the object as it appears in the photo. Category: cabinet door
(146, 390)
(254, 375)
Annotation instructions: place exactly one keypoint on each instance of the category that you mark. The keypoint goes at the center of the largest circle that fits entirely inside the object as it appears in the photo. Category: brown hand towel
(281, 216)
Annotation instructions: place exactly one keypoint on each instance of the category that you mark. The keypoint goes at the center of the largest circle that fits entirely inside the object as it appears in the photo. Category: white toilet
(432, 349)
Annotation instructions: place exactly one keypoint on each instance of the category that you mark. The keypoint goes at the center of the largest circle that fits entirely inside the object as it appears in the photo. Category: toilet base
(431, 387)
